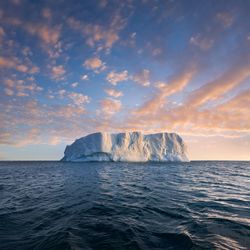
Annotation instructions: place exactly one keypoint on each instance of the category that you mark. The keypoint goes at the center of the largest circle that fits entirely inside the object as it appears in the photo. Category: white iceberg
(127, 147)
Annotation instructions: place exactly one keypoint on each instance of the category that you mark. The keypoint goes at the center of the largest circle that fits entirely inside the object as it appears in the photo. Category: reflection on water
(55, 205)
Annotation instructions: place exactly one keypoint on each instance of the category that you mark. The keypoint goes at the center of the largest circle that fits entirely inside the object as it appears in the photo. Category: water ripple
(54, 205)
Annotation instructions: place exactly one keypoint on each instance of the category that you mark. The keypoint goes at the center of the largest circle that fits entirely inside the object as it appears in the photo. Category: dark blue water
(54, 205)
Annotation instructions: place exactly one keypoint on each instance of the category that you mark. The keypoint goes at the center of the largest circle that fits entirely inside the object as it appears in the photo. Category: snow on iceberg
(127, 147)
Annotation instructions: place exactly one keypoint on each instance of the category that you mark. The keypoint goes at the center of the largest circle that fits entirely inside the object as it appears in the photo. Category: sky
(70, 68)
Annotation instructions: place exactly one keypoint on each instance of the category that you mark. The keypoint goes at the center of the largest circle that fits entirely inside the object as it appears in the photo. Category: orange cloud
(177, 84)
(217, 88)
(231, 116)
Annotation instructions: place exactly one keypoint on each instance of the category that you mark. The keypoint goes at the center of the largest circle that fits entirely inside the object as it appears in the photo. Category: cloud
(225, 18)
(21, 88)
(176, 84)
(46, 13)
(22, 68)
(94, 63)
(58, 72)
(2, 34)
(34, 70)
(239, 103)
(32, 136)
(23, 115)
(110, 106)
(22, 94)
(16, 2)
(95, 34)
(191, 102)
(9, 83)
(116, 77)
(78, 98)
(203, 43)
(84, 77)
(156, 52)
(114, 93)
(218, 87)
(62, 93)
(74, 84)
(226, 118)
(143, 77)
(8, 92)
(49, 35)
(55, 140)
(103, 3)
(7, 63)
(14, 63)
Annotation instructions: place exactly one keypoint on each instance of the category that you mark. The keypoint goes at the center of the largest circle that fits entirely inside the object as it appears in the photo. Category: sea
(111, 206)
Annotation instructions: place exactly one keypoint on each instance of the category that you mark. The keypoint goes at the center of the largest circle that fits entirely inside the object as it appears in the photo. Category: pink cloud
(110, 106)
(93, 63)
(116, 77)
(114, 93)
(58, 72)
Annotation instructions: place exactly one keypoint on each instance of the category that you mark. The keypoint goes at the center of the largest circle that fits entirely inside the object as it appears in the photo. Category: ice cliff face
(129, 147)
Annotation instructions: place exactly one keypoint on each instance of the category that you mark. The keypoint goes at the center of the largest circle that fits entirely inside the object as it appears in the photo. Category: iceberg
(127, 147)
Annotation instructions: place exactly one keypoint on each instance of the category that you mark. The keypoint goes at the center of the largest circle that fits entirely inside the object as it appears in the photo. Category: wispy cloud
(176, 84)
(217, 88)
